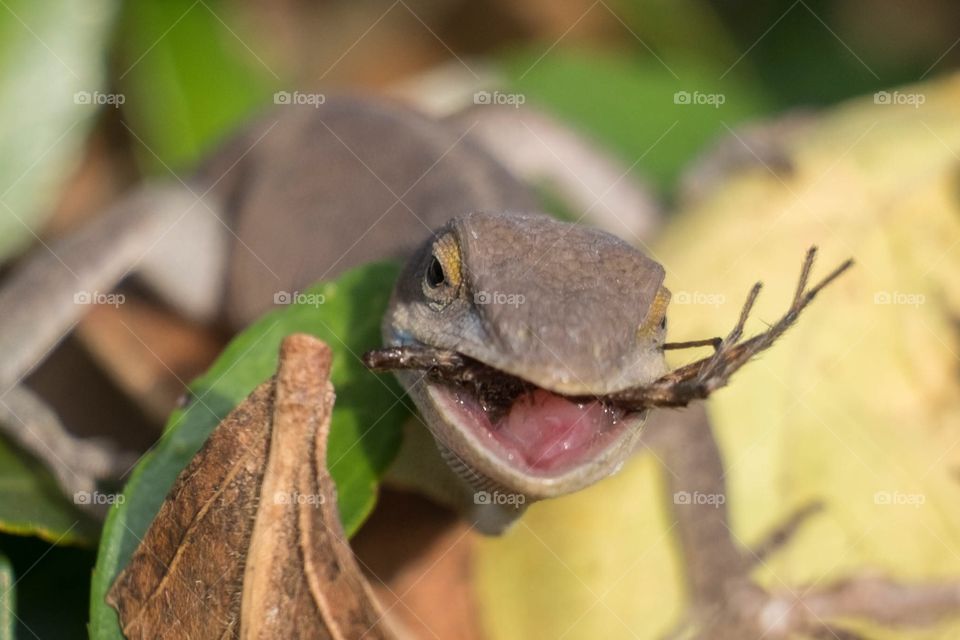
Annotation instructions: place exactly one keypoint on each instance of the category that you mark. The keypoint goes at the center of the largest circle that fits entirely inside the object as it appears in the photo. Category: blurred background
(96, 95)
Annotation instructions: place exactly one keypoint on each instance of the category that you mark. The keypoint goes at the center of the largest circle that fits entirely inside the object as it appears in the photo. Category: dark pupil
(435, 276)
(663, 322)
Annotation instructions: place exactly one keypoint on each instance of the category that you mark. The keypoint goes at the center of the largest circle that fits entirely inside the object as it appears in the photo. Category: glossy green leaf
(190, 74)
(51, 79)
(365, 428)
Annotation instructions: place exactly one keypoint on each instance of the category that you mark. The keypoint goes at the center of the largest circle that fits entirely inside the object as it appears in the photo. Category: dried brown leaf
(248, 543)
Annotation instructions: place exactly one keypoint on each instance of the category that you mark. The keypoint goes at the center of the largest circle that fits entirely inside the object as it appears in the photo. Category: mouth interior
(535, 429)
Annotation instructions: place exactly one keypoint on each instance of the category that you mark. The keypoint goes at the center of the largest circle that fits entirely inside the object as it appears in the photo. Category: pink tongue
(549, 430)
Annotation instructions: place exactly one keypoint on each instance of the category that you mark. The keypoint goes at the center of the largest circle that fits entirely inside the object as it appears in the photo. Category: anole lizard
(505, 323)
(298, 195)
(558, 328)
(534, 349)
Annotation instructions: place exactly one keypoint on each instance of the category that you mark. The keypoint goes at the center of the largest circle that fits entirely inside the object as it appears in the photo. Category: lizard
(455, 326)
(534, 350)
(578, 342)
(435, 172)
(355, 179)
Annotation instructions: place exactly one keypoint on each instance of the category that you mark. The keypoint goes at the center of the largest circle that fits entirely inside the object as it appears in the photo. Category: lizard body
(298, 195)
(570, 319)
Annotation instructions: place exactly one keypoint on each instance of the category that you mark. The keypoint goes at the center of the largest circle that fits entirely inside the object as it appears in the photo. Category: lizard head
(560, 311)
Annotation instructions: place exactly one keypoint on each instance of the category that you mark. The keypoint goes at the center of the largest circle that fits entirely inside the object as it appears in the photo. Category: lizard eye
(663, 323)
(441, 272)
(434, 276)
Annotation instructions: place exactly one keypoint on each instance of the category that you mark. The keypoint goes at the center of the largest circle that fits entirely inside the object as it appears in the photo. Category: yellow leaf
(857, 406)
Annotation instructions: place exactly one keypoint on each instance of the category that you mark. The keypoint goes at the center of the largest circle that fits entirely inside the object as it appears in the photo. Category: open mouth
(536, 431)
(528, 429)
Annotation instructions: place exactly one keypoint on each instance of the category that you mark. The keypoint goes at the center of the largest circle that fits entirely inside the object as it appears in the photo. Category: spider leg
(697, 380)
(452, 367)
(678, 388)
(715, 362)
(706, 342)
(409, 357)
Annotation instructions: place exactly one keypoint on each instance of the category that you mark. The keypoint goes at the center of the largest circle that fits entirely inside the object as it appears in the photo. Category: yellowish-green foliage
(858, 406)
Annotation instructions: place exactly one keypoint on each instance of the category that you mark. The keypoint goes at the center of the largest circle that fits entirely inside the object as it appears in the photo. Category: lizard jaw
(543, 445)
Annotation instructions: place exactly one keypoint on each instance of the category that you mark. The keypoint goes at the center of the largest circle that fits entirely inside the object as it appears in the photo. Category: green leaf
(629, 104)
(365, 428)
(50, 74)
(190, 75)
(8, 599)
(31, 503)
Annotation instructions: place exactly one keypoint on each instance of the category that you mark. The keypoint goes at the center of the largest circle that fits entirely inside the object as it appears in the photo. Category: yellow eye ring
(442, 273)
(656, 315)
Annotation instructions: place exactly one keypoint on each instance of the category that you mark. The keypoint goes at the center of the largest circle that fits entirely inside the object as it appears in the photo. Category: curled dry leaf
(248, 544)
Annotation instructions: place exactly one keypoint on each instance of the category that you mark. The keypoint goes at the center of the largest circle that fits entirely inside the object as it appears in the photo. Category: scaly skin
(479, 320)
(565, 308)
